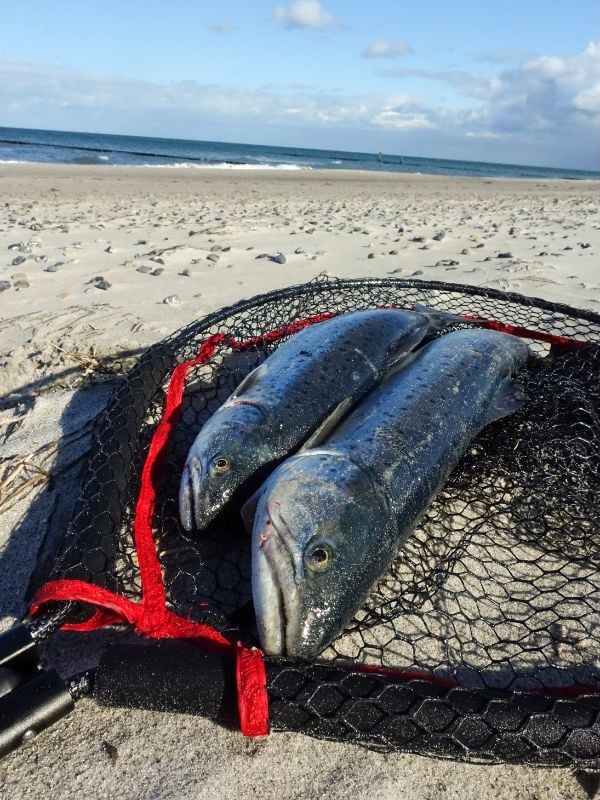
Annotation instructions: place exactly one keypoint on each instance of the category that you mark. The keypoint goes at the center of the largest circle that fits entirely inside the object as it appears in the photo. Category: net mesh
(498, 588)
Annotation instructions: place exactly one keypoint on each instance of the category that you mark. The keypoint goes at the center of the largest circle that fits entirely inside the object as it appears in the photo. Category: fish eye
(220, 465)
(319, 558)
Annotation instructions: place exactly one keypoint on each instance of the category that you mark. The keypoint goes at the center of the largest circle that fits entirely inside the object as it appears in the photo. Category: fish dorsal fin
(326, 427)
(509, 398)
(249, 380)
(248, 510)
(437, 319)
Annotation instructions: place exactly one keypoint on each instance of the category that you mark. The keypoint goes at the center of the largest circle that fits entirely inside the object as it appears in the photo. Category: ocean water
(62, 147)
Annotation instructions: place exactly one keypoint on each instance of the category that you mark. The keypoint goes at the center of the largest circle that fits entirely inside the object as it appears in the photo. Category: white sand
(58, 330)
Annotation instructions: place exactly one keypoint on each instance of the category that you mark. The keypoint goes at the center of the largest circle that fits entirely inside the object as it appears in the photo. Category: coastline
(199, 236)
(292, 171)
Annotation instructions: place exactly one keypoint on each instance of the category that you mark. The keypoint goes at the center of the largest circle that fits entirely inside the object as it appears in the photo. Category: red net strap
(525, 333)
(251, 681)
(153, 589)
(279, 333)
(155, 623)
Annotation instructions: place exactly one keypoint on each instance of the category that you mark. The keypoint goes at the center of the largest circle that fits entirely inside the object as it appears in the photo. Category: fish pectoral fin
(509, 398)
(326, 427)
(249, 380)
(248, 510)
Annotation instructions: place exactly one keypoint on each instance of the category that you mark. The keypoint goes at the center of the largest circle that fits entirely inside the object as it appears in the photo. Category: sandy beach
(97, 263)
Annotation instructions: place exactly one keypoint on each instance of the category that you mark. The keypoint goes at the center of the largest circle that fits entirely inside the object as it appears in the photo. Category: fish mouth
(190, 511)
(275, 590)
(185, 500)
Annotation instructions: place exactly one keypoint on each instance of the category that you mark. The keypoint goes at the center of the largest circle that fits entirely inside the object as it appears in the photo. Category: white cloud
(501, 56)
(466, 82)
(545, 93)
(548, 93)
(400, 119)
(221, 27)
(304, 14)
(588, 99)
(380, 48)
(34, 89)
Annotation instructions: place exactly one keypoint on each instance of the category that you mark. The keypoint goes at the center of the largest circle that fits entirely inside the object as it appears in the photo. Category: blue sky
(513, 81)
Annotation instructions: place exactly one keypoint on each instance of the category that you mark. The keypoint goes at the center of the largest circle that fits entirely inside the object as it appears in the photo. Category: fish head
(222, 459)
(323, 534)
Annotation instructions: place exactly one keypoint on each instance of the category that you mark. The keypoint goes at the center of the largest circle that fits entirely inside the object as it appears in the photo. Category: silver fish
(303, 388)
(330, 520)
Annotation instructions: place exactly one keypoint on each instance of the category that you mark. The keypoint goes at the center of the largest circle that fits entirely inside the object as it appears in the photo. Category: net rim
(328, 285)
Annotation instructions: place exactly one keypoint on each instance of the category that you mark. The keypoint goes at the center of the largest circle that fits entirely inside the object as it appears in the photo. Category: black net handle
(389, 711)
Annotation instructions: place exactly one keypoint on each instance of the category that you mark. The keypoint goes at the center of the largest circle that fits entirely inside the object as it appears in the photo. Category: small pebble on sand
(447, 262)
(100, 283)
(172, 300)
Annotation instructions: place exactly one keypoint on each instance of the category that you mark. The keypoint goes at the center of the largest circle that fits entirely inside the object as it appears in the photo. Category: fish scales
(340, 511)
(318, 373)
(411, 431)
